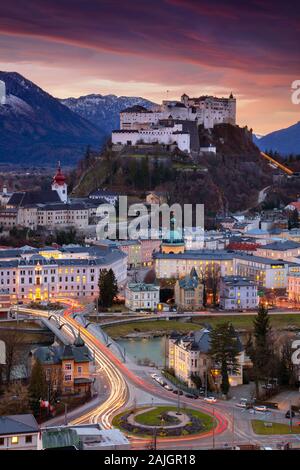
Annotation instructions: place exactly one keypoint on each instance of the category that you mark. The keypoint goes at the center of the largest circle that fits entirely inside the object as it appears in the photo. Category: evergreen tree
(293, 219)
(224, 349)
(38, 388)
(108, 288)
(260, 350)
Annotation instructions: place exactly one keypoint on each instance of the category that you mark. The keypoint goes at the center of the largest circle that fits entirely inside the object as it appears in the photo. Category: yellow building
(189, 291)
(188, 356)
(67, 368)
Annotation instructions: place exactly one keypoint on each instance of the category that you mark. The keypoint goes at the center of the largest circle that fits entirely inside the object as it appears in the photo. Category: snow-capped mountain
(103, 110)
(35, 128)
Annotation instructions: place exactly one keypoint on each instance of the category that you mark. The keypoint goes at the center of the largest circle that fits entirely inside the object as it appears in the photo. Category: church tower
(59, 184)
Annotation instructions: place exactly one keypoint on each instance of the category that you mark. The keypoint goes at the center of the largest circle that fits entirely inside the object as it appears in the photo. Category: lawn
(201, 422)
(246, 321)
(148, 326)
(242, 322)
(153, 417)
(259, 427)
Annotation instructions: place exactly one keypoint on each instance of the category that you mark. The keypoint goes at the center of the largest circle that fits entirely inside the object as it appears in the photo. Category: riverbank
(156, 328)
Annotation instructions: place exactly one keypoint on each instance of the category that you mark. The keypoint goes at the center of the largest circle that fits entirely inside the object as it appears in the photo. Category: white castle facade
(161, 134)
(2, 92)
(164, 123)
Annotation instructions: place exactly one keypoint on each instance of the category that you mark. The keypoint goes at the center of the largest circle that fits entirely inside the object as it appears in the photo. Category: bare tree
(13, 340)
(15, 400)
(212, 281)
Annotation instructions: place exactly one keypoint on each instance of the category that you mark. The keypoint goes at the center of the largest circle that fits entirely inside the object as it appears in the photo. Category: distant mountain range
(38, 129)
(103, 110)
(284, 141)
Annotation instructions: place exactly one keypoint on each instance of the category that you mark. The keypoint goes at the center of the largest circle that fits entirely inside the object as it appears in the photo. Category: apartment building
(266, 272)
(73, 271)
(238, 293)
(141, 296)
(188, 356)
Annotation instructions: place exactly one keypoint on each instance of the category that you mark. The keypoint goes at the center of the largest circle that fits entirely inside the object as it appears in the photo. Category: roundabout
(164, 421)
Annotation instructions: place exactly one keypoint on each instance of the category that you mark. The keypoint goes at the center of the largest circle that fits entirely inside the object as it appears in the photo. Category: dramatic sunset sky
(146, 47)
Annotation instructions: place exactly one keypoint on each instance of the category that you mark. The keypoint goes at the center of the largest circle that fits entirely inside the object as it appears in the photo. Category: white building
(293, 289)
(206, 110)
(284, 250)
(104, 195)
(210, 110)
(2, 92)
(188, 356)
(265, 272)
(154, 135)
(238, 293)
(42, 274)
(141, 296)
(19, 432)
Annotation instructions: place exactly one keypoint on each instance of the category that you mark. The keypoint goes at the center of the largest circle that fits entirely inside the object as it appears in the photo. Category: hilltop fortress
(172, 122)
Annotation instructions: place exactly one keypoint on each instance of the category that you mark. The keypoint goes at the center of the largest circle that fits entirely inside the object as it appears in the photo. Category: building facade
(293, 288)
(42, 274)
(266, 272)
(238, 293)
(19, 432)
(67, 368)
(141, 296)
(189, 292)
(188, 357)
(171, 135)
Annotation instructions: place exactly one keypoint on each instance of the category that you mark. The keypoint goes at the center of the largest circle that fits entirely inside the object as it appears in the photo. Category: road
(233, 425)
(120, 380)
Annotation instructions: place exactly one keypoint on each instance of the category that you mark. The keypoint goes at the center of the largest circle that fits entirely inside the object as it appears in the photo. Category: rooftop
(18, 424)
(142, 287)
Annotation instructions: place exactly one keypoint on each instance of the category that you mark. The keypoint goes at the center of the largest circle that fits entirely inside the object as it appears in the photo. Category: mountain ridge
(103, 110)
(34, 125)
(284, 141)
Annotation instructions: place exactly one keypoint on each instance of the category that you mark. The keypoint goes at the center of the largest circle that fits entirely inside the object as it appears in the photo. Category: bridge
(52, 321)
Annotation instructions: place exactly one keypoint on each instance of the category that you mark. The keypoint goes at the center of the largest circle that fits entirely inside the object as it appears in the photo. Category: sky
(160, 49)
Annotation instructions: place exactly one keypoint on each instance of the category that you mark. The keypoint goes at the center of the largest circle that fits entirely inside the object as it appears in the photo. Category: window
(15, 440)
(1, 441)
(28, 439)
(68, 378)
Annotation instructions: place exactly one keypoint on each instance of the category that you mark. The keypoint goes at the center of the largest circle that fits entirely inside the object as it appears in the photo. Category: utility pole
(206, 380)
(233, 427)
(178, 402)
(66, 414)
(291, 417)
(213, 436)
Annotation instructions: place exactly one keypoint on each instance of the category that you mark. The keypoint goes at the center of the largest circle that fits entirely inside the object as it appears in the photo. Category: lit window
(15, 440)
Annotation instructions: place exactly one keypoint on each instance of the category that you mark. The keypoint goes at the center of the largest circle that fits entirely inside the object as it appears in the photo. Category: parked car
(261, 408)
(167, 387)
(210, 399)
(178, 392)
(288, 415)
(190, 395)
(154, 376)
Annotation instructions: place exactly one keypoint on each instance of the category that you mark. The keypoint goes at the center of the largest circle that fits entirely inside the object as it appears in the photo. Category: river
(152, 349)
